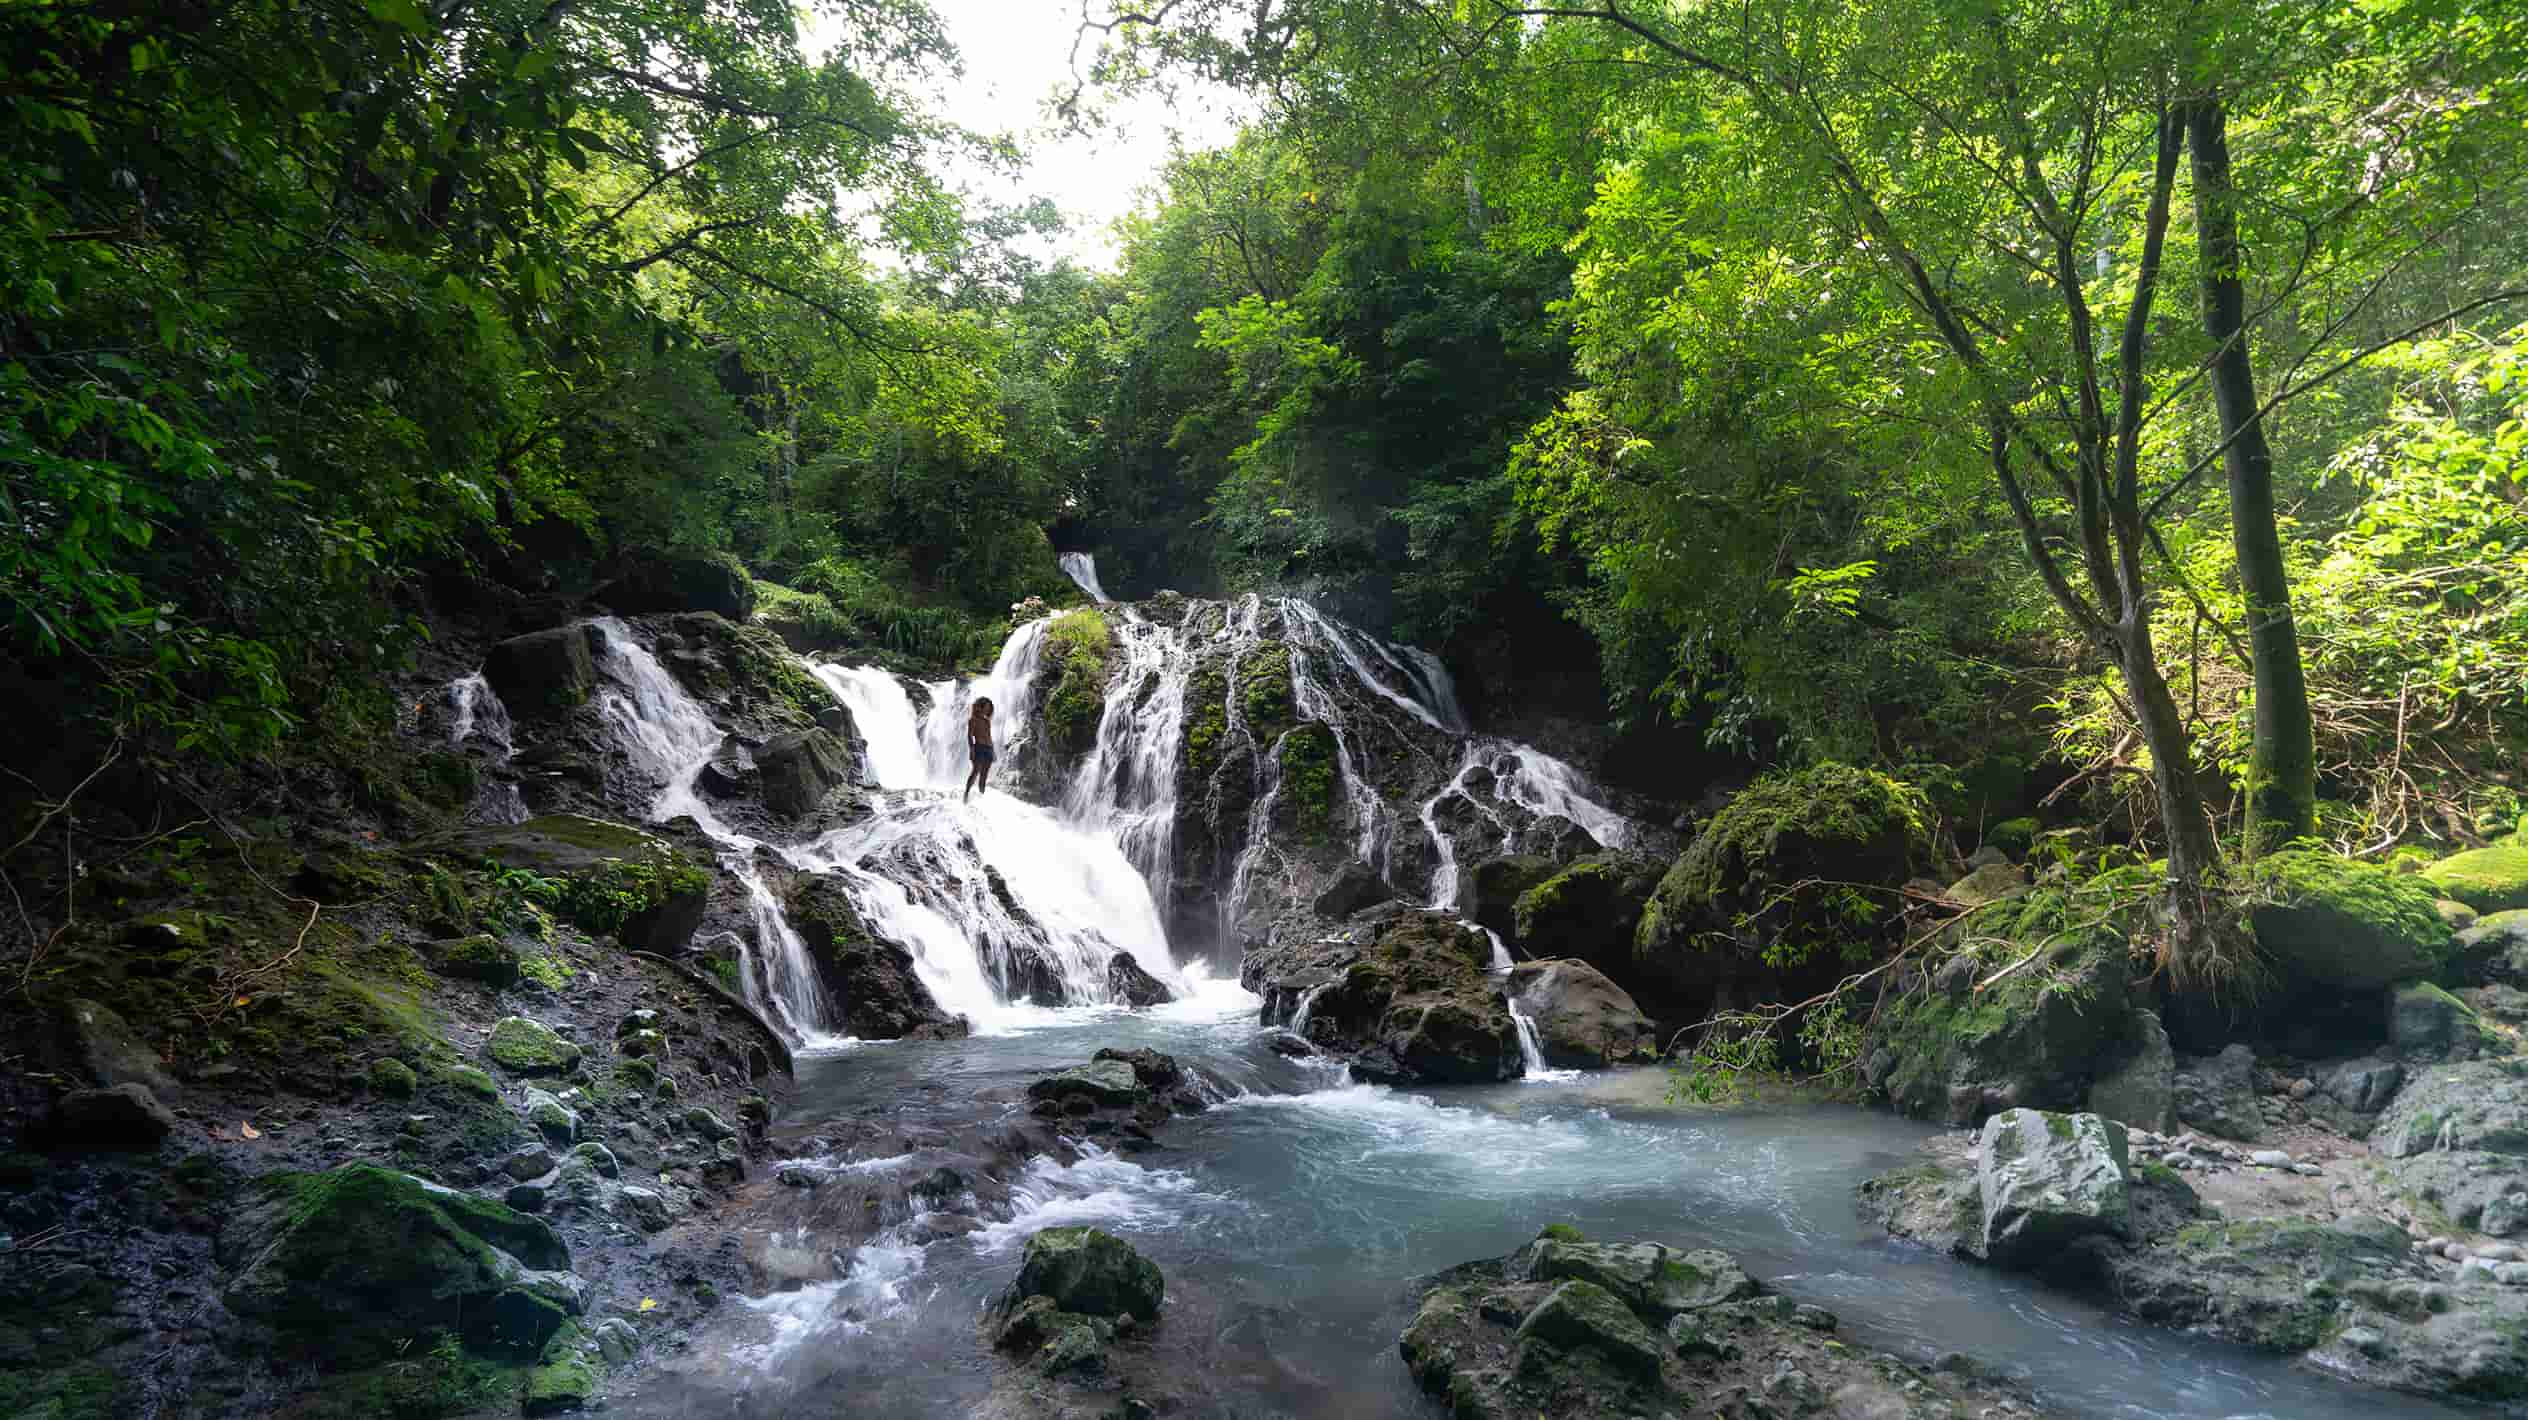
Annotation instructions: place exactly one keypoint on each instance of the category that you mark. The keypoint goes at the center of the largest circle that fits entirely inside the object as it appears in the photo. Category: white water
(1081, 568)
(476, 712)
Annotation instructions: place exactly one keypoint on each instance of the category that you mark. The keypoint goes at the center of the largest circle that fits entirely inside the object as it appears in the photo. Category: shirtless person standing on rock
(979, 744)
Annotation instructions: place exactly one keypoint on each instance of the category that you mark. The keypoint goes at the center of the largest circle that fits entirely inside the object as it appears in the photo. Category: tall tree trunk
(2282, 765)
(2192, 850)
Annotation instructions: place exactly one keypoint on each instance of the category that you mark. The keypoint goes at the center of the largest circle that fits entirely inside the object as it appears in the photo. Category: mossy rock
(2491, 879)
(1201, 745)
(1734, 890)
(1265, 696)
(526, 1047)
(2330, 922)
(670, 581)
(618, 879)
(1311, 797)
(472, 1081)
(393, 1078)
(479, 957)
(1589, 910)
(1078, 648)
(1090, 1272)
(2014, 836)
(357, 1262)
(565, 1375)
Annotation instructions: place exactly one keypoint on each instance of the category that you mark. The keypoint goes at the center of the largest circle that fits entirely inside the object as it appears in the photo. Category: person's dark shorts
(983, 755)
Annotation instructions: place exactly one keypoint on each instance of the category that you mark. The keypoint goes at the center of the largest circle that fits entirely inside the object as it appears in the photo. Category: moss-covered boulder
(2491, 879)
(1090, 1272)
(525, 1047)
(358, 1262)
(2426, 1024)
(565, 1373)
(478, 957)
(393, 1078)
(1071, 682)
(2329, 922)
(1412, 1003)
(1489, 895)
(1798, 868)
(543, 673)
(1938, 1048)
(616, 879)
(1589, 910)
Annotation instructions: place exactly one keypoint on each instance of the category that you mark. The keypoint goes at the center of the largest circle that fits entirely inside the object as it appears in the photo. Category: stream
(1291, 1218)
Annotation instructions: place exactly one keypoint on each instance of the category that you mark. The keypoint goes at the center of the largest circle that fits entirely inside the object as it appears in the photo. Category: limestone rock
(800, 768)
(870, 981)
(1582, 1019)
(1355, 887)
(2047, 1180)
(1649, 1278)
(1581, 1314)
(2478, 1104)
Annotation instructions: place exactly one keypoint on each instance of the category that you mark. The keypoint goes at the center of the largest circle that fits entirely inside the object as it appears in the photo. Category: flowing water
(1291, 1218)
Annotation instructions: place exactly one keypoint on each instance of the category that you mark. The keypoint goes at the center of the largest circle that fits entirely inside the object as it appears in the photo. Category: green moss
(2013, 836)
(1077, 647)
(565, 1377)
(1264, 691)
(1206, 721)
(528, 1048)
(1310, 785)
(1829, 826)
(1562, 1232)
(546, 970)
(393, 1078)
(2488, 879)
(469, 1080)
(2336, 922)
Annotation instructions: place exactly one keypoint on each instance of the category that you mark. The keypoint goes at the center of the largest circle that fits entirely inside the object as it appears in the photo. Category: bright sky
(1016, 53)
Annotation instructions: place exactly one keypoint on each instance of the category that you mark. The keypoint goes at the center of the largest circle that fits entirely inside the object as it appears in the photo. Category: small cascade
(1127, 784)
(1531, 1053)
(1011, 687)
(1405, 676)
(1545, 786)
(1081, 568)
(475, 712)
(1307, 1003)
(890, 728)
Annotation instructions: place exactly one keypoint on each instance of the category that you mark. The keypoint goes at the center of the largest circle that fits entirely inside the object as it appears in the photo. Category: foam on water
(1097, 1188)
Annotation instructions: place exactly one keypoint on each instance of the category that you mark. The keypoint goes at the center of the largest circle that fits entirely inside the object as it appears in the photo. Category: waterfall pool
(1291, 1220)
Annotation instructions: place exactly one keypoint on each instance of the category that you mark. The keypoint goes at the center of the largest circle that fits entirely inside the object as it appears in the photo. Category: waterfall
(1544, 785)
(476, 712)
(1531, 1052)
(1081, 568)
(1127, 785)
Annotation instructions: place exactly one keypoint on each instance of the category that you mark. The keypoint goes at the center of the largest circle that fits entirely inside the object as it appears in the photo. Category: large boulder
(870, 986)
(2217, 1094)
(1412, 1004)
(2333, 924)
(2141, 1092)
(1650, 1278)
(1088, 1272)
(1589, 910)
(655, 582)
(1129, 985)
(1770, 882)
(525, 1047)
(2491, 879)
(543, 672)
(1582, 1020)
(2426, 1023)
(621, 880)
(1581, 1315)
(1355, 887)
(360, 1261)
(2479, 1104)
(109, 1049)
(800, 768)
(1940, 1048)
(125, 1119)
(2047, 1181)
(1489, 896)
(2496, 947)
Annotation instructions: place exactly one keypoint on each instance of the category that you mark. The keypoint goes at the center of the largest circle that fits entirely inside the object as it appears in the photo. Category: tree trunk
(2282, 765)
(2192, 850)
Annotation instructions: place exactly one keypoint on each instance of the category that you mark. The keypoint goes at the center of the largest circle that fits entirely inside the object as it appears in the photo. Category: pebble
(2270, 1159)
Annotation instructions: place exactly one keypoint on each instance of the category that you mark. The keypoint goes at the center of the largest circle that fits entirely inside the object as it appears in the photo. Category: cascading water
(1081, 568)
(475, 712)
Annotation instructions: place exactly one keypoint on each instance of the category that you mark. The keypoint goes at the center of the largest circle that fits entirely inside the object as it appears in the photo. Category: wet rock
(1129, 984)
(543, 673)
(533, 1162)
(1089, 1272)
(1582, 1019)
(565, 1374)
(1100, 1082)
(1649, 1278)
(800, 768)
(649, 1210)
(355, 1261)
(2363, 1085)
(599, 1158)
(1991, 882)
(110, 1050)
(1057, 1342)
(525, 1047)
(2047, 1181)
(2496, 947)
(1960, 1055)
(2490, 880)
(1578, 1314)
(1410, 1004)
(2217, 1094)
(125, 1119)
(871, 981)
(392, 1078)
(2142, 1092)
(556, 1121)
(1355, 887)
(1489, 895)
